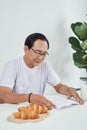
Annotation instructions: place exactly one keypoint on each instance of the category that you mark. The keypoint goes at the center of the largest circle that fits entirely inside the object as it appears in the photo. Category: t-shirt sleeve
(52, 77)
(8, 75)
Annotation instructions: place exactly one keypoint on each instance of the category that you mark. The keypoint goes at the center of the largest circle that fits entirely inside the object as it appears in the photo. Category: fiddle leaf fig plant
(79, 44)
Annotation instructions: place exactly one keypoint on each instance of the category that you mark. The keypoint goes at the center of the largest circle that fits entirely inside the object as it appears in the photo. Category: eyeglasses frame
(40, 54)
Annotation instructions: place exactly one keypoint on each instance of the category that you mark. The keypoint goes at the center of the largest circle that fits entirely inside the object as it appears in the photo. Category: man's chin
(37, 63)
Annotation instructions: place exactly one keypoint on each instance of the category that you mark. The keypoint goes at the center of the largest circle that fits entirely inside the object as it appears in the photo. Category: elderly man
(24, 78)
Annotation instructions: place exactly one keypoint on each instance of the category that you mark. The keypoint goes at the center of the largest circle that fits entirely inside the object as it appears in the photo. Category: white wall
(19, 18)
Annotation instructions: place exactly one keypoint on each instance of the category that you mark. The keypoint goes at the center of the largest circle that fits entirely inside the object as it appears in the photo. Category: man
(24, 79)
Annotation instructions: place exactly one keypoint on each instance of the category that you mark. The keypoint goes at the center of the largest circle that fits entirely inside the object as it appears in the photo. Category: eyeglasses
(38, 53)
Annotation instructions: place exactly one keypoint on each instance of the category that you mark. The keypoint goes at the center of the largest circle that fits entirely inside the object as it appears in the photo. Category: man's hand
(68, 91)
(71, 92)
(41, 100)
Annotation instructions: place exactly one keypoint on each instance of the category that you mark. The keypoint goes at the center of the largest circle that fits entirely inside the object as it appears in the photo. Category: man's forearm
(7, 96)
(14, 98)
(61, 88)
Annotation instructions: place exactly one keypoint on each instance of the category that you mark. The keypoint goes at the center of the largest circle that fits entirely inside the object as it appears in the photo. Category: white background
(19, 18)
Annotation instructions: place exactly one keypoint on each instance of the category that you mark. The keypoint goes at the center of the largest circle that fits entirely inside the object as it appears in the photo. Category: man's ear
(26, 48)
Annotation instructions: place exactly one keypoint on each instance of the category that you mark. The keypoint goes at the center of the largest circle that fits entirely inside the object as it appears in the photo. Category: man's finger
(68, 96)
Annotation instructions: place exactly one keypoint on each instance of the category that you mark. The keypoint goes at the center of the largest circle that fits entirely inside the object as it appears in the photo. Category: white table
(73, 118)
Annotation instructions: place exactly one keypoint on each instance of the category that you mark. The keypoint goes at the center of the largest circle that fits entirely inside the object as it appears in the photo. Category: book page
(61, 101)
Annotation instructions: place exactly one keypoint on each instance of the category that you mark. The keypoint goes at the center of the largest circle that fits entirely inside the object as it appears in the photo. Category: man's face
(35, 55)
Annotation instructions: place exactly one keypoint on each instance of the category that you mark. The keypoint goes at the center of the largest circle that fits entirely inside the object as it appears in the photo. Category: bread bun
(37, 108)
(31, 111)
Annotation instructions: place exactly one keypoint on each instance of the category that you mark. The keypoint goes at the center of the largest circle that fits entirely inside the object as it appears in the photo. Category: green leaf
(84, 58)
(73, 25)
(84, 45)
(78, 61)
(75, 44)
(81, 31)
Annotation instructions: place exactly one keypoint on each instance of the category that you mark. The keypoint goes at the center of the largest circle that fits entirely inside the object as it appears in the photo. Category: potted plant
(79, 44)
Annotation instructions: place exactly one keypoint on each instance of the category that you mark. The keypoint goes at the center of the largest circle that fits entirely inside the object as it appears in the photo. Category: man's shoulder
(14, 61)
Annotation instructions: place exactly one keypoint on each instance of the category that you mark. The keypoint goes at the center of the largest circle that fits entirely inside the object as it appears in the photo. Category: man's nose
(41, 57)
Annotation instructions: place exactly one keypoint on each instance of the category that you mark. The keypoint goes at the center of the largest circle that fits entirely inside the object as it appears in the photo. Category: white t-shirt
(23, 79)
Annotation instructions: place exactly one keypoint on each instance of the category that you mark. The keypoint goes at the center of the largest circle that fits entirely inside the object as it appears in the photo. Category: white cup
(83, 89)
(84, 93)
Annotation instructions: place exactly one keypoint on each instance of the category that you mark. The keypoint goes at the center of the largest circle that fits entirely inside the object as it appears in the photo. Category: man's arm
(68, 91)
(7, 96)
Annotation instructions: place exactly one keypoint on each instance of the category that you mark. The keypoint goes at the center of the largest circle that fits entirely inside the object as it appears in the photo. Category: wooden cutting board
(16, 120)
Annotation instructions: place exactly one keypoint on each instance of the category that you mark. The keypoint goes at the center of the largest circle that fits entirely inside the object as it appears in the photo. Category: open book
(61, 101)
